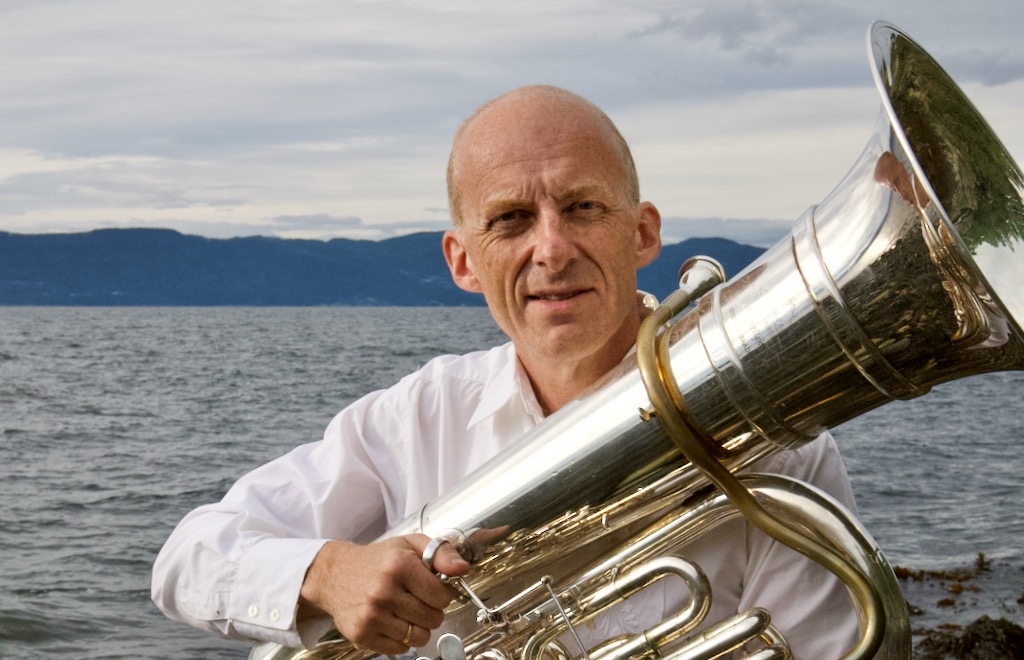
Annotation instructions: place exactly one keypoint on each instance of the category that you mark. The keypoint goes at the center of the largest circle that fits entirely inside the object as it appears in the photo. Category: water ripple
(118, 422)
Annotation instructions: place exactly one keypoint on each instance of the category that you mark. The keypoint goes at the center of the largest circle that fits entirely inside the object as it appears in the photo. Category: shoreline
(973, 611)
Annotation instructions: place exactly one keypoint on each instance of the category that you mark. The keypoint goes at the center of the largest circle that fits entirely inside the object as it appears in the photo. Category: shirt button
(275, 614)
(254, 610)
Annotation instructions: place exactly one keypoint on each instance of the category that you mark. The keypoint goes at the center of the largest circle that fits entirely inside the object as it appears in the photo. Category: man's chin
(566, 341)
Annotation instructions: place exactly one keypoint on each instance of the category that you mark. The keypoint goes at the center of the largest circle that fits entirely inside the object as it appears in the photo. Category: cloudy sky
(325, 118)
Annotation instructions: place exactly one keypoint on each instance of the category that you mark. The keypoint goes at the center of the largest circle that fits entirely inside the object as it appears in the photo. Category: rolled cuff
(265, 598)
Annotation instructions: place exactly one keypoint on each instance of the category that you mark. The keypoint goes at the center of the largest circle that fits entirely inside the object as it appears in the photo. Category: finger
(411, 634)
(414, 609)
(444, 559)
(390, 635)
(447, 560)
(390, 642)
(378, 643)
(488, 535)
(424, 584)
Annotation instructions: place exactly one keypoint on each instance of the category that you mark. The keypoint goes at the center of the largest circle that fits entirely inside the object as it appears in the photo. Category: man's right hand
(382, 596)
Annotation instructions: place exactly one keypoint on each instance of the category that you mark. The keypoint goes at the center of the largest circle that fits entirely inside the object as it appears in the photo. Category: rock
(985, 638)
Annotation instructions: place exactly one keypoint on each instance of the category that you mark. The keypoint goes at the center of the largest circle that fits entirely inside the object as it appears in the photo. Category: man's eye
(508, 217)
(585, 206)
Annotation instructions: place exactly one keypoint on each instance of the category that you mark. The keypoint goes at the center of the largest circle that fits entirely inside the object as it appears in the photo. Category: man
(549, 227)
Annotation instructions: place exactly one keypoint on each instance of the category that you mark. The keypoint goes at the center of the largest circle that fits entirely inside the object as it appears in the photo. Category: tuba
(906, 276)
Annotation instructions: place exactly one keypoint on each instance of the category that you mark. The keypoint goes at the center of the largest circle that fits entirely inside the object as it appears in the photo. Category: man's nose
(553, 242)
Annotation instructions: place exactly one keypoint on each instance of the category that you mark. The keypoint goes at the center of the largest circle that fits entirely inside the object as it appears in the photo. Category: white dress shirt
(236, 567)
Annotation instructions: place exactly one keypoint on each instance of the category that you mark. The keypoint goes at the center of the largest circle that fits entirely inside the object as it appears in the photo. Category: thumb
(449, 561)
(445, 558)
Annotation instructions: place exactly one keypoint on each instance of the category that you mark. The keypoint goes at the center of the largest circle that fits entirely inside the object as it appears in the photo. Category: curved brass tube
(655, 370)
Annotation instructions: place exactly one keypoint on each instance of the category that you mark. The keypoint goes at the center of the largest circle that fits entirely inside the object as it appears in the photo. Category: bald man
(548, 225)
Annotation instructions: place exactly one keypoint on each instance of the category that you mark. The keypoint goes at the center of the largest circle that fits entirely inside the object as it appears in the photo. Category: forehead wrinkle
(583, 191)
(563, 166)
(526, 194)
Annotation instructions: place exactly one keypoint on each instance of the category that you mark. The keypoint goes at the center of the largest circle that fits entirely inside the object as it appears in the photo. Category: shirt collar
(509, 386)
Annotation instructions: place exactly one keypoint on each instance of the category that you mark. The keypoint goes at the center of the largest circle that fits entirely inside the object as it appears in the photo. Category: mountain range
(162, 267)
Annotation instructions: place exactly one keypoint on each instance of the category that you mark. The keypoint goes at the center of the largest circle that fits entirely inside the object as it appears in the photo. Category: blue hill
(164, 267)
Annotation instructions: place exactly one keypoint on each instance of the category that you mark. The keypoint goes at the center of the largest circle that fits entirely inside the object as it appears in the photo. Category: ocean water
(116, 422)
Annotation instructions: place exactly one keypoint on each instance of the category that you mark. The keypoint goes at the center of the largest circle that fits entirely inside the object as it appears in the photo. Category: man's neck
(557, 382)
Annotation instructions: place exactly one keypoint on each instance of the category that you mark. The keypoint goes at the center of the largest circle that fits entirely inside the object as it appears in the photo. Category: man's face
(548, 233)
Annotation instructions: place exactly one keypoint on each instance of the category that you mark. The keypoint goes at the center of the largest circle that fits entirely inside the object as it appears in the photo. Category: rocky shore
(974, 611)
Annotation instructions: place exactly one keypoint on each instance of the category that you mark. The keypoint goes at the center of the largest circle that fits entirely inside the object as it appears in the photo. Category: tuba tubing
(906, 276)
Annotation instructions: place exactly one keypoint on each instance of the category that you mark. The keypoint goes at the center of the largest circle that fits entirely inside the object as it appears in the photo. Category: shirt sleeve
(235, 567)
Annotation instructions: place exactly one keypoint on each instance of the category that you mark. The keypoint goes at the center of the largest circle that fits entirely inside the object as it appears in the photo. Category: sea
(115, 422)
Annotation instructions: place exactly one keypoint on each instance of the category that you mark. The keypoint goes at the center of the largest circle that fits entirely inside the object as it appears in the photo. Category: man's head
(549, 226)
(554, 94)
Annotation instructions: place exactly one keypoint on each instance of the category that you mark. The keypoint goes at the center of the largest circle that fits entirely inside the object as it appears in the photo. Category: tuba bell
(906, 276)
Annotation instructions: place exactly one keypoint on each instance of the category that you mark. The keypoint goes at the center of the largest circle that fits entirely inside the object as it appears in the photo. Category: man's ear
(648, 235)
(459, 263)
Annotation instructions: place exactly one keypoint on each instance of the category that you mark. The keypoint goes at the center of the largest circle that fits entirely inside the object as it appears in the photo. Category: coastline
(972, 611)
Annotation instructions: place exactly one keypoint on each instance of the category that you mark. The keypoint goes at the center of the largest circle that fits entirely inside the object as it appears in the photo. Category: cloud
(757, 232)
(766, 33)
(319, 221)
(988, 67)
(32, 180)
(332, 116)
(324, 226)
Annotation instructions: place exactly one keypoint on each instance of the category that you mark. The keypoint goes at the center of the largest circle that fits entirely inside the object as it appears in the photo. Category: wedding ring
(408, 636)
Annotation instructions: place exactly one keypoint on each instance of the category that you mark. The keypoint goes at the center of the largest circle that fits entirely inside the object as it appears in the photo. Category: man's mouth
(554, 297)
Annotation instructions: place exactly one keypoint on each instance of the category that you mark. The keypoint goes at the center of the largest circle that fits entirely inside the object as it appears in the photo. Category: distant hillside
(164, 267)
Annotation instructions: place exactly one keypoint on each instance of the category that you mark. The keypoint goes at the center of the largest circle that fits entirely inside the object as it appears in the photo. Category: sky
(333, 118)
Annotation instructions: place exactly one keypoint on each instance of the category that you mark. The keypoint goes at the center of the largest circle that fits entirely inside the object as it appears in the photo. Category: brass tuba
(907, 275)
